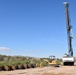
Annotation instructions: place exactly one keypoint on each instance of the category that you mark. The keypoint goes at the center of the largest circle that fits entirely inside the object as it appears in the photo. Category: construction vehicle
(68, 59)
(52, 61)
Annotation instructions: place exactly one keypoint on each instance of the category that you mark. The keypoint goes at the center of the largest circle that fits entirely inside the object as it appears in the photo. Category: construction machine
(51, 62)
(68, 59)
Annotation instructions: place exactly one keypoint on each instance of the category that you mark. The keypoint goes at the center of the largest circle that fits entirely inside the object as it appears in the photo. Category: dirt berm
(62, 70)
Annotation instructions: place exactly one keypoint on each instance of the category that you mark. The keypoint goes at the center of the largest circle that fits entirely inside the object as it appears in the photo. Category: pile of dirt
(53, 74)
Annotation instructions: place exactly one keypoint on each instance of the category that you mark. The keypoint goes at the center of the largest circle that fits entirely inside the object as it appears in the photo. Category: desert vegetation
(21, 62)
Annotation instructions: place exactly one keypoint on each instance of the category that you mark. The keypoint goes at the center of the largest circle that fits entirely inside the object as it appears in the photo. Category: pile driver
(68, 59)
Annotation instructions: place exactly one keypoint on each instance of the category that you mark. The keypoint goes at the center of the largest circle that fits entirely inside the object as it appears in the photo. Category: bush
(59, 62)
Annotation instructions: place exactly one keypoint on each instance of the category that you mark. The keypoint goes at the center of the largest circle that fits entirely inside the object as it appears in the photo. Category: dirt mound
(53, 74)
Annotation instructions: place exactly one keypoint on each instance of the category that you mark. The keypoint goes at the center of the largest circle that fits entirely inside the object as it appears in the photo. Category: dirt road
(63, 70)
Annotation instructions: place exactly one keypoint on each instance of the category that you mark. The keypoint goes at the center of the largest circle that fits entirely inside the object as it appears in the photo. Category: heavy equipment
(51, 62)
(68, 59)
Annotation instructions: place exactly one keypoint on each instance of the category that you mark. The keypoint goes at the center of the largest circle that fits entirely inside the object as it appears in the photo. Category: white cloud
(4, 48)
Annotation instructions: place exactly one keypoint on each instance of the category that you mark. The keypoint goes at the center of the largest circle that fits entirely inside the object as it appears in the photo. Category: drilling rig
(68, 59)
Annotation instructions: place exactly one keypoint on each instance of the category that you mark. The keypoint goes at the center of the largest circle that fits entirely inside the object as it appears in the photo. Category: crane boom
(68, 59)
(69, 27)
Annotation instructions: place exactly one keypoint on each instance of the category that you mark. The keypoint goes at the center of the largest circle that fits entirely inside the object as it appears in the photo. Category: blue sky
(35, 27)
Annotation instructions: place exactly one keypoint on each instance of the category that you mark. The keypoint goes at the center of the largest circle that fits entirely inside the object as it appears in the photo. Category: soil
(62, 70)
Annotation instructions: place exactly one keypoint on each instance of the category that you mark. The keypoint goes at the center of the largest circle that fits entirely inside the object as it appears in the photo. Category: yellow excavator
(49, 63)
(52, 61)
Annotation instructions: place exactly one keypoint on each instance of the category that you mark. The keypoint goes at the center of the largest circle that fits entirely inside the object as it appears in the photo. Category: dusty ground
(63, 70)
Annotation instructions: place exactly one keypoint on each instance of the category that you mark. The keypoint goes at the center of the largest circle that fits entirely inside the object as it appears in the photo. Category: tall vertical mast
(69, 36)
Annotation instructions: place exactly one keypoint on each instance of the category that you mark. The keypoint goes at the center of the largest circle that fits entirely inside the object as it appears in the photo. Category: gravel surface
(62, 70)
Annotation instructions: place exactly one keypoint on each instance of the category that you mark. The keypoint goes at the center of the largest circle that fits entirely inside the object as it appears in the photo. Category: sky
(35, 27)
